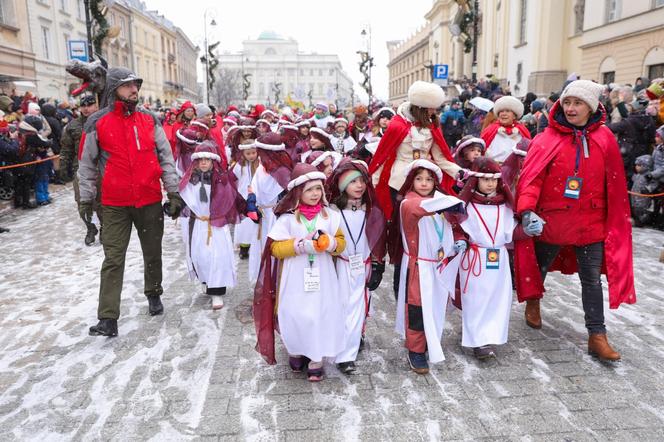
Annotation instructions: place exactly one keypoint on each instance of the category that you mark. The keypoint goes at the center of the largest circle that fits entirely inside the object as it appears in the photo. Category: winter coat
(636, 134)
(131, 152)
(69, 143)
(453, 121)
(658, 163)
(49, 113)
(641, 184)
(544, 194)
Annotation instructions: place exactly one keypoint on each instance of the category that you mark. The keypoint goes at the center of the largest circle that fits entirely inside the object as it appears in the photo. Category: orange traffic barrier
(29, 163)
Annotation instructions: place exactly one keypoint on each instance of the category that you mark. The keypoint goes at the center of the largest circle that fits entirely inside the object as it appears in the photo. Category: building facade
(274, 61)
(52, 25)
(187, 57)
(118, 50)
(17, 58)
(623, 40)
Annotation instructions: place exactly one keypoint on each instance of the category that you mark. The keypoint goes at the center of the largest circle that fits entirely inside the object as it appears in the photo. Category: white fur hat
(425, 164)
(586, 90)
(509, 103)
(426, 95)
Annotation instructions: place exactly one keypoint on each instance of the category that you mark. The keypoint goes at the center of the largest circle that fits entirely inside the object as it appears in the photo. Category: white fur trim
(246, 127)
(306, 177)
(185, 139)
(361, 163)
(289, 126)
(426, 95)
(425, 164)
(321, 131)
(509, 103)
(229, 121)
(586, 90)
(519, 152)
(274, 147)
(247, 146)
(268, 112)
(384, 109)
(483, 175)
(340, 120)
(336, 158)
(210, 155)
(303, 122)
(470, 141)
(200, 124)
(262, 120)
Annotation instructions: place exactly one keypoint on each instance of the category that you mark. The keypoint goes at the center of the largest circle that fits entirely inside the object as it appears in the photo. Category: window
(80, 9)
(145, 38)
(138, 65)
(656, 70)
(311, 72)
(154, 43)
(302, 72)
(66, 46)
(612, 10)
(261, 89)
(63, 5)
(523, 22)
(320, 88)
(46, 42)
(331, 72)
(608, 77)
(519, 72)
(270, 51)
(125, 61)
(579, 11)
(7, 12)
(122, 27)
(659, 3)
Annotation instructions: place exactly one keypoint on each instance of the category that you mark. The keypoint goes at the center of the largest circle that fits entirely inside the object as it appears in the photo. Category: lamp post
(366, 33)
(476, 11)
(88, 29)
(207, 55)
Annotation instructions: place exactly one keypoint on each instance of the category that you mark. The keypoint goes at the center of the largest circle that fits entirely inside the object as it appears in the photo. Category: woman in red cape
(573, 182)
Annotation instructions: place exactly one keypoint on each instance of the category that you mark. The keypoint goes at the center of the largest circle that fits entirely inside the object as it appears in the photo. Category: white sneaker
(217, 302)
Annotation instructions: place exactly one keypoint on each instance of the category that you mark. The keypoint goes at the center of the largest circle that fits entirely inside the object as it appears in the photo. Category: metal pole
(370, 64)
(207, 81)
(476, 10)
(88, 29)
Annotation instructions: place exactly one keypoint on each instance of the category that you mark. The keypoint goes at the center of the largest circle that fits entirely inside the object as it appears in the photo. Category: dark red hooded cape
(386, 155)
(618, 265)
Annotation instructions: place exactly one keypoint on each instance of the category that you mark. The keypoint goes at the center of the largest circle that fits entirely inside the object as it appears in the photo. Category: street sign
(77, 50)
(440, 74)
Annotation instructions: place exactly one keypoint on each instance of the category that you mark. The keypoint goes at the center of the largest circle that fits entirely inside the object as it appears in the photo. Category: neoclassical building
(272, 59)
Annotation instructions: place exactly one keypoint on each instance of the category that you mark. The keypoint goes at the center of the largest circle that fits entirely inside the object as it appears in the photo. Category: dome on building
(269, 35)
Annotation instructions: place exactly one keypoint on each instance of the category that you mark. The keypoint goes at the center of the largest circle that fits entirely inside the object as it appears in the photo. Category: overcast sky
(325, 27)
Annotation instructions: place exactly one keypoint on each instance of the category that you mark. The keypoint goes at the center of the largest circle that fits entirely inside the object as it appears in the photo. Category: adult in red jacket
(127, 145)
(573, 185)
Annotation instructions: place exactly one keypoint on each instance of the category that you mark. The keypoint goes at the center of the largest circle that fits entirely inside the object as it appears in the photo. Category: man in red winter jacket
(572, 187)
(128, 147)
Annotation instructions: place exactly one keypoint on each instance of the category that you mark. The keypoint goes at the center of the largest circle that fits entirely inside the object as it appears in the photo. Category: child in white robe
(485, 277)
(360, 266)
(309, 309)
(213, 203)
(246, 233)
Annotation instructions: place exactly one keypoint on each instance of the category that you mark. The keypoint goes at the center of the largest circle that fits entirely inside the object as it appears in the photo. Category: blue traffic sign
(77, 50)
(440, 72)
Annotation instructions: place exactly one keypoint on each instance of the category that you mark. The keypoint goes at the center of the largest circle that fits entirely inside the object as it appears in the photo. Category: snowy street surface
(194, 374)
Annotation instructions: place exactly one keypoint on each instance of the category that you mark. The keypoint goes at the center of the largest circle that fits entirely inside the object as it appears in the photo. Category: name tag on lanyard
(492, 259)
(573, 187)
(356, 264)
(311, 279)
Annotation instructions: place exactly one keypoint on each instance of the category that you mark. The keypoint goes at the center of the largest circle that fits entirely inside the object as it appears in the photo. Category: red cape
(386, 154)
(265, 297)
(489, 133)
(618, 265)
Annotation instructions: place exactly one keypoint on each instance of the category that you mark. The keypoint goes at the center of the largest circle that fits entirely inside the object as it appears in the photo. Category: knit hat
(536, 106)
(206, 150)
(586, 90)
(426, 95)
(656, 89)
(384, 112)
(202, 110)
(270, 141)
(6, 103)
(322, 106)
(33, 108)
(508, 103)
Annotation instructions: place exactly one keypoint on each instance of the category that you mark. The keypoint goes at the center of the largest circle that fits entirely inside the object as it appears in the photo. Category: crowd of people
(466, 202)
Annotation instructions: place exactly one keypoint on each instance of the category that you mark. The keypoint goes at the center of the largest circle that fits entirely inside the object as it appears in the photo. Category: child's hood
(645, 161)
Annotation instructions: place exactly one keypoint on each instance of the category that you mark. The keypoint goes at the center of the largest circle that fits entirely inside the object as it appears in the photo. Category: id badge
(573, 187)
(312, 279)
(356, 264)
(492, 259)
(441, 255)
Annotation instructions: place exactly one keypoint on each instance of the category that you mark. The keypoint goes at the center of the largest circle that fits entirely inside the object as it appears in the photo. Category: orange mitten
(322, 243)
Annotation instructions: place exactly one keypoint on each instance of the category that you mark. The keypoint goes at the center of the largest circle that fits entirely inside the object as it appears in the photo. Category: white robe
(487, 300)
(267, 191)
(435, 286)
(311, 324)
(247, 231)
(502, 146)
(214, 263)
(352, 287)
(343, 145)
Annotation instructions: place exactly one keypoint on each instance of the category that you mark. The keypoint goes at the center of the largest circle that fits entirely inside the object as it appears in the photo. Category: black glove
(377, 269)
(85, 211)
(174, 205)
(649, 176)
(252, 209)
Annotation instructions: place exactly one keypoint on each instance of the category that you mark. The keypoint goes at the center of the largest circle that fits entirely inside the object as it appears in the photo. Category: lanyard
(495, 232)
(440, 231)
(310, 226)
(350, 233)
(584, 143)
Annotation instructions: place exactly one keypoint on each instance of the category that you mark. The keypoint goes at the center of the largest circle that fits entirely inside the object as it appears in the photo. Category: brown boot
(598, 346)
(533, 318)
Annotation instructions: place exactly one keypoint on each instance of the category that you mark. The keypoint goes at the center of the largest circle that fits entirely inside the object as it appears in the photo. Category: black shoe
(244, 252)
(3, 230)
(30, 205)
(346, 367)
(155, 306)
(105, 327)
(362, 343)
(484, 352)
(90, 236)
(44, 203)
(418, 362)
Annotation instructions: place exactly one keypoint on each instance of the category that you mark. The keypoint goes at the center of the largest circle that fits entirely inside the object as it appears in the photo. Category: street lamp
(207, 55)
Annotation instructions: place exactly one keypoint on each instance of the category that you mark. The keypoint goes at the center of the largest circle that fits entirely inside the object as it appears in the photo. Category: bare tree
(227, 88)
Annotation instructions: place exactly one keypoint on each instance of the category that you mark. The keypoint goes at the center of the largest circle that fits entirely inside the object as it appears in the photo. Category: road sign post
(77, 50)
(440, 74)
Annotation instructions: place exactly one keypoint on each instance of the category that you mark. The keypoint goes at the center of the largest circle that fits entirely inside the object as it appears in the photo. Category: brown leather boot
(598, 346)
(533, 318)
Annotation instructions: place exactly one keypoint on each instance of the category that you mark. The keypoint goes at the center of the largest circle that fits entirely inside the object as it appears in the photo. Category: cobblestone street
(194, 374)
